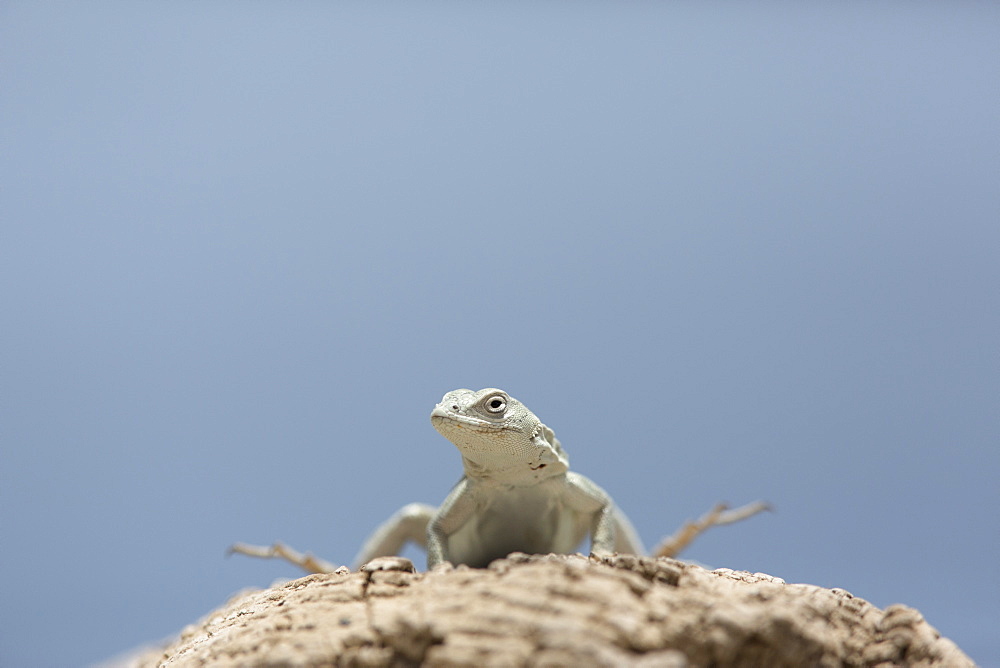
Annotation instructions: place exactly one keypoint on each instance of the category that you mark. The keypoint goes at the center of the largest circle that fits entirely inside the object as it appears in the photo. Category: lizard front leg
(456, 510)
(587, 498)
(408, 524)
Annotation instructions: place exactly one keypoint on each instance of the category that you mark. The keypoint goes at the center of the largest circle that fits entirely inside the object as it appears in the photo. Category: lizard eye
(496, 404)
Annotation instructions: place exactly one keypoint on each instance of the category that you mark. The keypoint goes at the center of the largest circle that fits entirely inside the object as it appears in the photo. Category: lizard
(517, 494)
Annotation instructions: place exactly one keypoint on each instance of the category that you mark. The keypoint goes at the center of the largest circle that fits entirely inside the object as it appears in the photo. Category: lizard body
(517, 495)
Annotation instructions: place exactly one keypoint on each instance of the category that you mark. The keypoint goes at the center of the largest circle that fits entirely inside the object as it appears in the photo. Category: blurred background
(728, 252)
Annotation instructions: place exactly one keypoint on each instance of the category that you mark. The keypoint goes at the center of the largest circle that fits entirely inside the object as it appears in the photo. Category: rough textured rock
(556, 611)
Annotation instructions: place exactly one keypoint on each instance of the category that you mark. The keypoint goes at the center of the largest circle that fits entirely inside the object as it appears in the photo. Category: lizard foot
(306, 562)
(717, 516)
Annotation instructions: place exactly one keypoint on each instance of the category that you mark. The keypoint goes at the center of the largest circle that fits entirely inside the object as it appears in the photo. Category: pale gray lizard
(517, 495)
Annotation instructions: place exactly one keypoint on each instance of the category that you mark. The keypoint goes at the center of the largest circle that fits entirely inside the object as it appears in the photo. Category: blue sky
(725, 252)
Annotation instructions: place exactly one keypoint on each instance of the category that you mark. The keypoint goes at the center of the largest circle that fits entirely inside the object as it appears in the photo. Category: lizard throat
(521, 474)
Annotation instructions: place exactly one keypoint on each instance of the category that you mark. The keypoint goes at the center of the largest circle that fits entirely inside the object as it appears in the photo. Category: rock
(556, 610)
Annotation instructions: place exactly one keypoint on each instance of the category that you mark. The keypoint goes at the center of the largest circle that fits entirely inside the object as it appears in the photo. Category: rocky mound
(555, 610)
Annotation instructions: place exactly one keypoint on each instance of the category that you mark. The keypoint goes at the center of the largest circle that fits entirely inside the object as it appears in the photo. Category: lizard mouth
(444, 420)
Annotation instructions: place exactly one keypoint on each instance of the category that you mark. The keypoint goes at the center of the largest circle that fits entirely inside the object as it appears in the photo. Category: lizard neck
(517, 475)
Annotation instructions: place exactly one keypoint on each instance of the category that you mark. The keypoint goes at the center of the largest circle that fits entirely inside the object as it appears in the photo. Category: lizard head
(499, 438)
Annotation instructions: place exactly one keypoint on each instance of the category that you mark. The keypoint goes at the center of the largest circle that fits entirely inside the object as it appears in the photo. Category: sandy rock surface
(555, 611)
